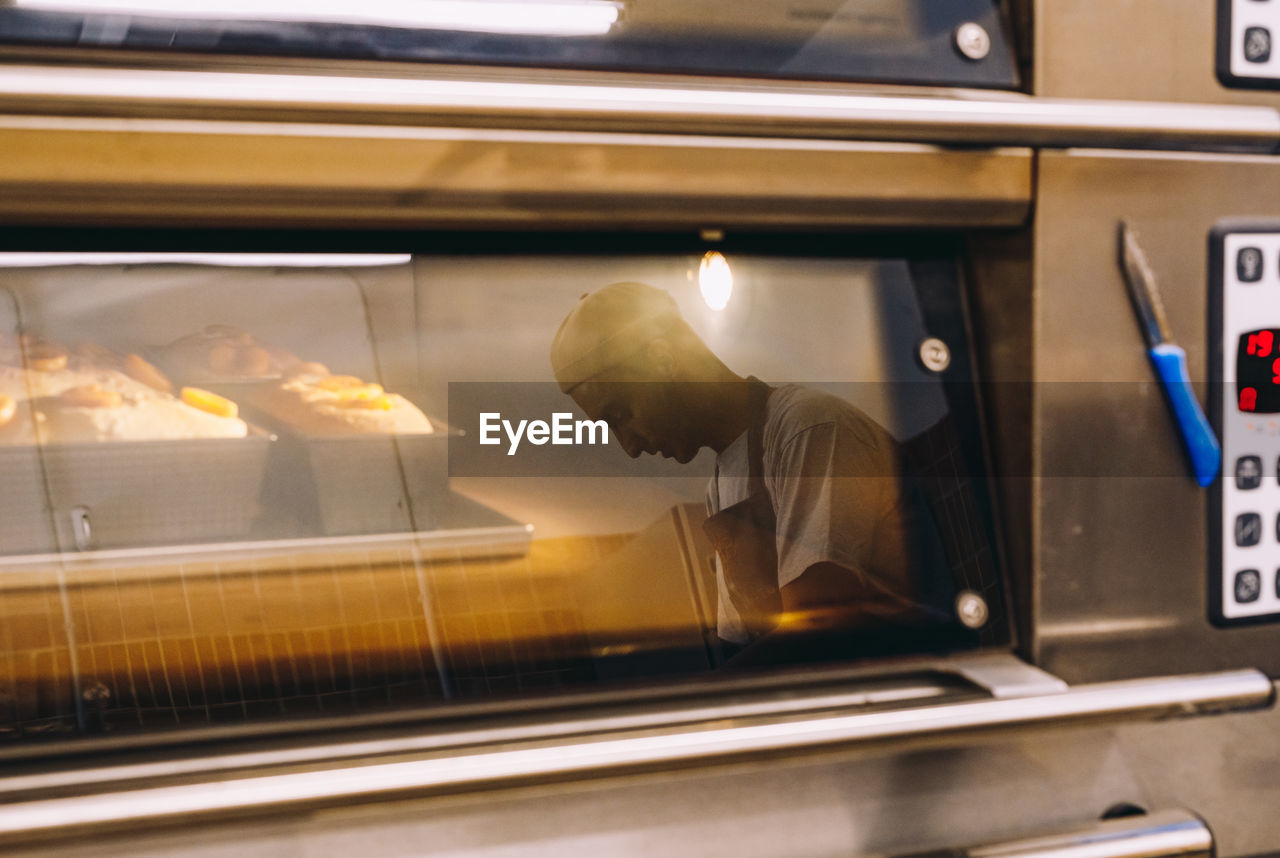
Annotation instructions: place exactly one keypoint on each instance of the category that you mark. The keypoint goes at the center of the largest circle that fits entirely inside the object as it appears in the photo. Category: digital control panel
(1248, 55)
(1244, 353)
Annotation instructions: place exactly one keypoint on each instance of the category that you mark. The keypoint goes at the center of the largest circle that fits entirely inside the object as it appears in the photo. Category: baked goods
(92, 394)
(137, 368)
(303, 397)
(209, 402)
(223, 353)
(312, 402)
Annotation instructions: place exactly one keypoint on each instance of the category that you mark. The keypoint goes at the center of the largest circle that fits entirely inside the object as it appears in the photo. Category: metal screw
(971, 609)
(973, 41)
(934, 354)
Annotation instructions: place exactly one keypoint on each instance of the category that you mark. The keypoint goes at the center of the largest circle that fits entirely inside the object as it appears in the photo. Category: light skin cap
(607, 327)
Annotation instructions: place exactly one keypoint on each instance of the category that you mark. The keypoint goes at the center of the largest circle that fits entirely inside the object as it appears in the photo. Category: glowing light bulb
(715, 280)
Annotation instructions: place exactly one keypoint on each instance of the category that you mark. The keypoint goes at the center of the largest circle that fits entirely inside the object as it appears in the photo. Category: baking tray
(471, 531)
(348, 485)
(130, 493)
(357, 485)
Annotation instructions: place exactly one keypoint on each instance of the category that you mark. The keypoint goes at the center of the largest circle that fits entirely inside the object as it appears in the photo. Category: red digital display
(1258, 372)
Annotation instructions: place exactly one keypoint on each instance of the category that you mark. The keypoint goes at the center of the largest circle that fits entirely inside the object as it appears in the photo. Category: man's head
(627, 357)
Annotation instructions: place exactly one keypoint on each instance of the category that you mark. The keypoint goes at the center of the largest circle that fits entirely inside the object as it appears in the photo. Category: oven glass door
(258, 485)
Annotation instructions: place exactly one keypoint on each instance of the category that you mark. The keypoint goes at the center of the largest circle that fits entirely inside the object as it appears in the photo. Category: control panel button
(1248, 529)
(1249, 472)
(1249, 264)
(1248, 585)
(1257, 44)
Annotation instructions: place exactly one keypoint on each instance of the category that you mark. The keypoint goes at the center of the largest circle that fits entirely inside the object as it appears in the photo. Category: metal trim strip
(120, 170)
(684, 746)
(729, 107)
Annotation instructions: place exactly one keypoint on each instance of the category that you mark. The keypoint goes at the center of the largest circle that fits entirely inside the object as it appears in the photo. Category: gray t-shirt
(835, 482)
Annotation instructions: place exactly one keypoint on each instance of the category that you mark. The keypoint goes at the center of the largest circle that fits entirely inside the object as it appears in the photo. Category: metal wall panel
(1120, 525)
(1152, 50)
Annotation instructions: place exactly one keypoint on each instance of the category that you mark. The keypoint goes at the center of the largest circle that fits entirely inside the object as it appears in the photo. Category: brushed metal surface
(1152, 50)
(625, 104)
(39, 781)
(718, 742)
(113, 764)
(1121, 534)
(116, 171)
(1013, 787)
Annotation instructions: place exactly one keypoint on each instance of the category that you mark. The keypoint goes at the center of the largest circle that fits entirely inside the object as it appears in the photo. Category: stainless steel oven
(307, 543)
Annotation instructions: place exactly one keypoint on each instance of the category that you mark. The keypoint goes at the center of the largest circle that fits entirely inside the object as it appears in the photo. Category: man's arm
(828, 595)
(827, 613)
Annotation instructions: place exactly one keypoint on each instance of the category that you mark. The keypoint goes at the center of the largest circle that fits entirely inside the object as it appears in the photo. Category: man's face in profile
(645, 416)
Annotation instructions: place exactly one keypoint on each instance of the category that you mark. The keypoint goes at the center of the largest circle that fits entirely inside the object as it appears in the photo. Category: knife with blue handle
(1170, 361)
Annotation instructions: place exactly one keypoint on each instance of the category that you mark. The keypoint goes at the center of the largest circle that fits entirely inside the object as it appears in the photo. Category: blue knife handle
(1206, 456)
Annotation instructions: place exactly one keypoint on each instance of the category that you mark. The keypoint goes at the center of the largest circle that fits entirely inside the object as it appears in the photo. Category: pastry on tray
(49, 394)
(223, 353)
(311, 402)
(300, 396)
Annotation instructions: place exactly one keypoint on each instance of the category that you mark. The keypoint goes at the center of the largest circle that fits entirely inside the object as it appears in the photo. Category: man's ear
(661, 358)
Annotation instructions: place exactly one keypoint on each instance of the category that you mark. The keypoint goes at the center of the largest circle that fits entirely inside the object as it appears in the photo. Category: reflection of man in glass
(816, 529)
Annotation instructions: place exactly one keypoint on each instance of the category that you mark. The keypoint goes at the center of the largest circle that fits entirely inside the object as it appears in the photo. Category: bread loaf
(93, 394)
(223, 353)
(313, 403)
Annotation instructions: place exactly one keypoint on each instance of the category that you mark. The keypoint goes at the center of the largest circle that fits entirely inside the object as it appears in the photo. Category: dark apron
(744, 535)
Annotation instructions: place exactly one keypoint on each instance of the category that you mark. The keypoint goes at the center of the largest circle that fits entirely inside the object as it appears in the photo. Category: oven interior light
(529, 17)
(715, 280)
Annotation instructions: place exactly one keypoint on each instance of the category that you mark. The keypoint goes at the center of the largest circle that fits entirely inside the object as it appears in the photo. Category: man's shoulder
(794, 408)
(798, 412)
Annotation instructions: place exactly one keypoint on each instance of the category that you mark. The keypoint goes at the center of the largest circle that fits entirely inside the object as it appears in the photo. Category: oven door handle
(1166, 834)
(259, 791)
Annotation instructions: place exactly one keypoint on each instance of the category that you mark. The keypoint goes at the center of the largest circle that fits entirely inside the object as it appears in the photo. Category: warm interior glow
(715, 280)
(532, 17)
